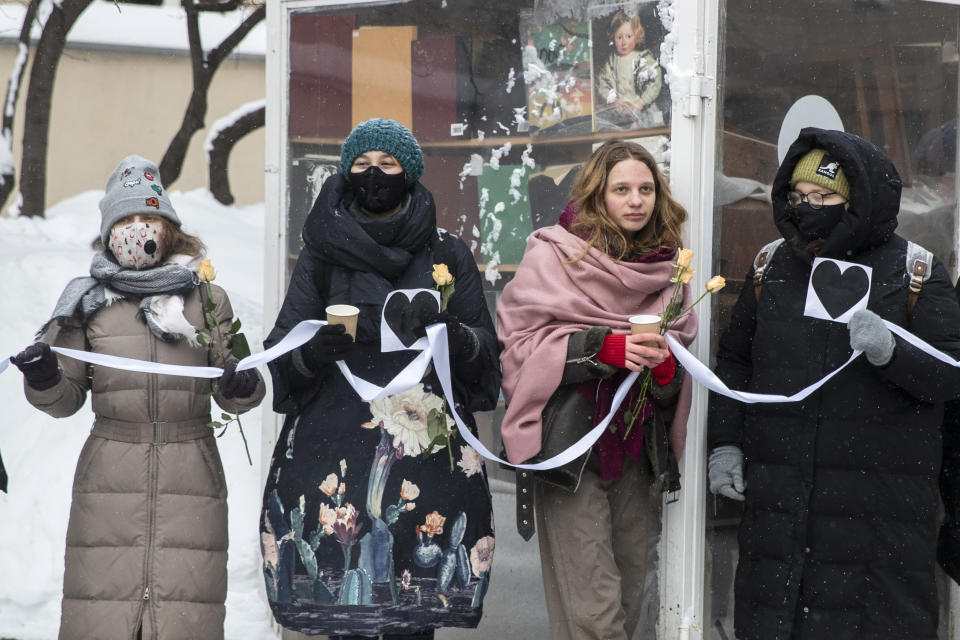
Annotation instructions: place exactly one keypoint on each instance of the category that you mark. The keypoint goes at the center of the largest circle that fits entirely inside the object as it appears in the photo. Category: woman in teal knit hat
(369, 525)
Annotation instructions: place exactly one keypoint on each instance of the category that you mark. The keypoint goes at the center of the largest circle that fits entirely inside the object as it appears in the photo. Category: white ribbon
(437, 335)
(708, 378)
(437, 351)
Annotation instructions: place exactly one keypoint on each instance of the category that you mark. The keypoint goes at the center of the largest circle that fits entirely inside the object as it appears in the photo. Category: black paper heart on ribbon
(403, 315)
(838, 292)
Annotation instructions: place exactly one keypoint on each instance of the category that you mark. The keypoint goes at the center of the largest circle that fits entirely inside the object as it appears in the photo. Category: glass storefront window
(890, 69)
(506, 98)
(506, 101)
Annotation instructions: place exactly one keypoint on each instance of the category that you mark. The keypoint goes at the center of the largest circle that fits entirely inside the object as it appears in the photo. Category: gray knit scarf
(86, 295)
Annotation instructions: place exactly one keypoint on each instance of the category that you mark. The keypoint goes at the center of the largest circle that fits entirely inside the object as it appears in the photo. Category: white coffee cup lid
(342, 310)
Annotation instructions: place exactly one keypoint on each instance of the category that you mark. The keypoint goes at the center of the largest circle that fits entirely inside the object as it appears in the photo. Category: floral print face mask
(136, 244)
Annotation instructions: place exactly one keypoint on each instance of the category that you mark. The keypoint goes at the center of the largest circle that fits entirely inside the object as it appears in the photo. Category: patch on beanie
(148, 176)
(828, 167)
(153, 202)
(157, 188)
(131, 183)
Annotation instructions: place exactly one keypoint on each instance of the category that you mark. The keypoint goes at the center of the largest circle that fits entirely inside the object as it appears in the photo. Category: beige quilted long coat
(147, 537)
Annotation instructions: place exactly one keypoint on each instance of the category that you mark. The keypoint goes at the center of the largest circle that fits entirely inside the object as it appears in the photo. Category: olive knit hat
(133, 187)
(383, 135)
(819, 167)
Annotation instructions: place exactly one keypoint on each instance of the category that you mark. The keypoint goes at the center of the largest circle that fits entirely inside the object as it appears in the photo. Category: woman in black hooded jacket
(839, 531)
(369, 526)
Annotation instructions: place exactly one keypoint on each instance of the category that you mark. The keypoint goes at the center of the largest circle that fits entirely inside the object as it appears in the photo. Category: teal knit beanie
(379, 134)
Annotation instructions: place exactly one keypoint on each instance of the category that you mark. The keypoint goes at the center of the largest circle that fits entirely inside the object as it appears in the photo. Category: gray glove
(870, 335)
(725, 470)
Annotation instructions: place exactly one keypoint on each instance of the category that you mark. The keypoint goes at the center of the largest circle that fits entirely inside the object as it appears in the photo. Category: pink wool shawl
(551, 298)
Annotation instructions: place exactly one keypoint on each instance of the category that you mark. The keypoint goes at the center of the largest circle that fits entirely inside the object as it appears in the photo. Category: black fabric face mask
(378, 192)
(816, 224)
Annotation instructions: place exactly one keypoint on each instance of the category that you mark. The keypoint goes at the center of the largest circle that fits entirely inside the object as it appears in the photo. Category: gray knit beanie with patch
(134, 187)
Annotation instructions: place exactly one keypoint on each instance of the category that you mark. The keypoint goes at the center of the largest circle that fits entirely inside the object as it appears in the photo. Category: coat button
(807, 550)
(806, 610)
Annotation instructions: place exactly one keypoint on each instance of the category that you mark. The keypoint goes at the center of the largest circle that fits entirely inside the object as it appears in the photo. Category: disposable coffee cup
(645, 324)
(344, 314)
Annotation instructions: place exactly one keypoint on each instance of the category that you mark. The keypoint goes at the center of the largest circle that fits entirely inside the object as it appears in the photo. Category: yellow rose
(441, 275)
(716, 283)
(684, 257)
(687, 276)
(206, 272)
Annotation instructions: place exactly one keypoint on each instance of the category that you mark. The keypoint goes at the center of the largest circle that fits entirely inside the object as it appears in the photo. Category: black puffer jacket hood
(874, 192)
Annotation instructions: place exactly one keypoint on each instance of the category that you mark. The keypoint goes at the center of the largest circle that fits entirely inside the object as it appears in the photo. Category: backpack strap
(918, 267)
(760, 263)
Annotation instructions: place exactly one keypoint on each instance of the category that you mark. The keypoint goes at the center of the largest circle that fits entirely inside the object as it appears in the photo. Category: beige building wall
(108, 104)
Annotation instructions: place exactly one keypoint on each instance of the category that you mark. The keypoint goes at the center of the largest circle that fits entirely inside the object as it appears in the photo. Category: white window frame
(693, 144)
(692, 168)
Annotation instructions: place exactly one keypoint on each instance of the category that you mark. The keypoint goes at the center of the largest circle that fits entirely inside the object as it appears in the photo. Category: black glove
(463, 343)
(39, 366)
(237, 384)
(329, 344)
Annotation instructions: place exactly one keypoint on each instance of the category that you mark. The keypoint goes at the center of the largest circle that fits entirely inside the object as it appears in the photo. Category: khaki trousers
(593, 552)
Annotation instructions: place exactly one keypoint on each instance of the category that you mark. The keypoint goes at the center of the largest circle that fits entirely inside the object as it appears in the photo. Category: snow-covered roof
(129, 26)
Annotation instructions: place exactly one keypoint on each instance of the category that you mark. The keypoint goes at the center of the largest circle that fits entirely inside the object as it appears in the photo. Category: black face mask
(816, 224)
(378, 192)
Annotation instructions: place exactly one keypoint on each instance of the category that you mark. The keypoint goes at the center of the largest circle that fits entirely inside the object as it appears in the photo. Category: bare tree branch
(230, 42)
(8, 178)
(214, 6)
(203, 69)
(36, 122)
(220, 147)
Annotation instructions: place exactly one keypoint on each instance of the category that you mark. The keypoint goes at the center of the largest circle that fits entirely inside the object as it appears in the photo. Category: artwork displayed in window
(630, 90)
(506, 105)
(557, 61)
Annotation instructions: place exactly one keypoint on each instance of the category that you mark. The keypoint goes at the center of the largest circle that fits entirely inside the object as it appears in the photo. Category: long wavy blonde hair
(594, 223)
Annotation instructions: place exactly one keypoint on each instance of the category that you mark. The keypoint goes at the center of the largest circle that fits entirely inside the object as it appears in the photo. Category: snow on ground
(37, 258)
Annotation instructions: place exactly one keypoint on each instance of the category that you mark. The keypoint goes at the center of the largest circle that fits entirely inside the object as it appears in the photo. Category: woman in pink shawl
(564, 330)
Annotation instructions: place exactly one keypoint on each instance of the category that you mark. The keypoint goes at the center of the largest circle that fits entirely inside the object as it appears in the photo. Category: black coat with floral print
(361, 532)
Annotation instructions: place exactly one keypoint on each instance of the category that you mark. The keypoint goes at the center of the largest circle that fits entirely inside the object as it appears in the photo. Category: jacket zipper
(153, 465)
(591, 359)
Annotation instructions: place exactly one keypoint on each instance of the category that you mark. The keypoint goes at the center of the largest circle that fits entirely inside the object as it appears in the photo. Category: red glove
(613, 352)
(665, 371)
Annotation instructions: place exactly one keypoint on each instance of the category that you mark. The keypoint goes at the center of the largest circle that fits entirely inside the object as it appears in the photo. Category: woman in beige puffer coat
(146, 549)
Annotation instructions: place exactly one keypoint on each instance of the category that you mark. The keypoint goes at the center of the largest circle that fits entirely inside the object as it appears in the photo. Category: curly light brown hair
(175, 240)
(594, 223)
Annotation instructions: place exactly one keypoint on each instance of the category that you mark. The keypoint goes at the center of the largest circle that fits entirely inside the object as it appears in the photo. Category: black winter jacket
(389, 481)
(839, 530)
